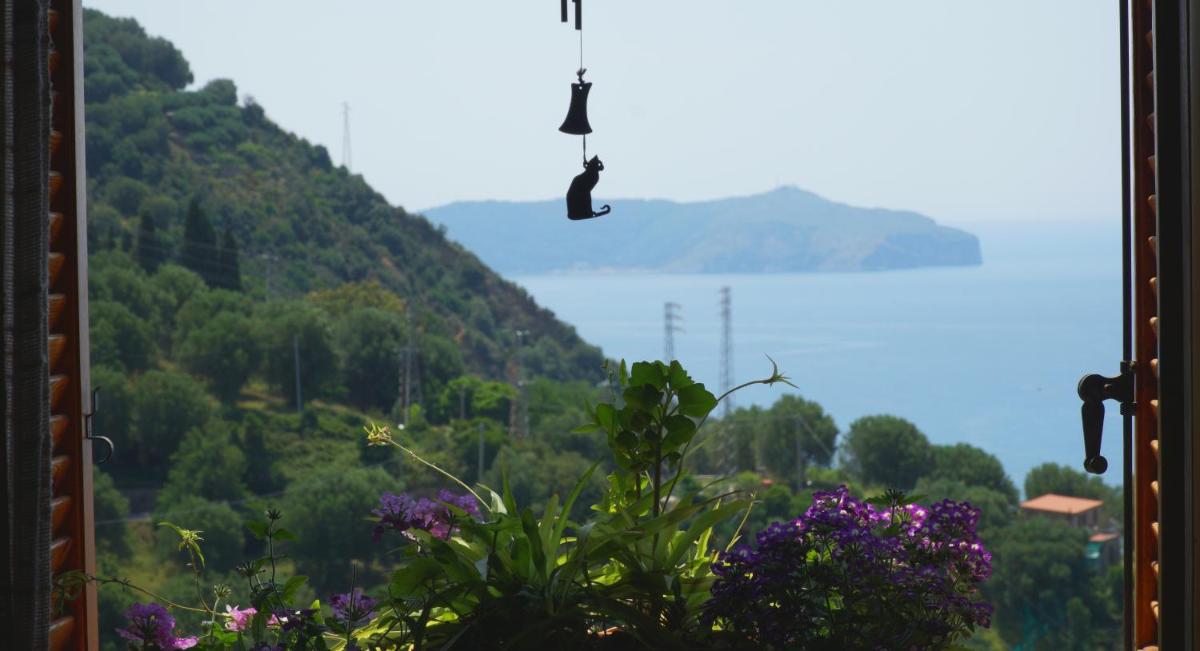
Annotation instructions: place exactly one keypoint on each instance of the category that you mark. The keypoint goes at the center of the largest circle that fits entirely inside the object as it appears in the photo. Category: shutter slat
(58, 429)
(58, 469)
(58, 390)
(58, 305)
(56, 224)
(60, 508)
(58, 346)
(58, 553)
(60, 632)
(57, 261)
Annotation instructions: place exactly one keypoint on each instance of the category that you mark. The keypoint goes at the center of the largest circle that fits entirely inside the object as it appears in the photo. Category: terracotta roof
(1064, 504)
(1102, 537)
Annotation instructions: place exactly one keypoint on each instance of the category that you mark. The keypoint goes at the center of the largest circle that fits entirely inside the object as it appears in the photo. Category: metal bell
(576, 123)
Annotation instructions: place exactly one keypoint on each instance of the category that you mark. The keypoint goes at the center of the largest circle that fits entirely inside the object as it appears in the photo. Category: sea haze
(989, 355)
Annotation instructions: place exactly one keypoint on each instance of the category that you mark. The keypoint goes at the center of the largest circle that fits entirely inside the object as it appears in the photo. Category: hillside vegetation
(300, 223)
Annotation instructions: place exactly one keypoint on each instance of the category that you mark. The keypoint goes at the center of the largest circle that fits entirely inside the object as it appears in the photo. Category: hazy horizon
(963, 113)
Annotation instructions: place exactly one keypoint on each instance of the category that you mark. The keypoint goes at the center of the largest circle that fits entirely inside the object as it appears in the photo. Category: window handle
(87, 419)
(1093, 391)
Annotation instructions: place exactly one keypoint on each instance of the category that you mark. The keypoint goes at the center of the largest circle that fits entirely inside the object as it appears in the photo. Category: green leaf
(678, 377)
(701, 527)
(696, 401)
(652, 373)
(642, 397)
(284, 534)
(413, 580)
(680, 430)
(606, 416)
(529, 525)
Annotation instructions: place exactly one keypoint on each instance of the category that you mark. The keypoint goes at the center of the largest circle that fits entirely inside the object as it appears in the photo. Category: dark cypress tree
(200, 244)
(149, 251)
(228, 266)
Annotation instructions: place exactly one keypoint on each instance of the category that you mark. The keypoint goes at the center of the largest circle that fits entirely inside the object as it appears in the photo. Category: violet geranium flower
(848, 574)
(404, 512)
(153, 627)
(352, 608)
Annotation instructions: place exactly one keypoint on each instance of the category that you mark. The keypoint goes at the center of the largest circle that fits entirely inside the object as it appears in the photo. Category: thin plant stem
(449, 476)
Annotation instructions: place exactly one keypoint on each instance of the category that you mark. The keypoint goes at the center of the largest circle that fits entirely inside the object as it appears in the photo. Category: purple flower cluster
(404, 512)
(352, 608)
(849, 574)
(152, 627)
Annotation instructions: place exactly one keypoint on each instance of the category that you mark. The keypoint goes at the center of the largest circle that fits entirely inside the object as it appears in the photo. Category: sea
(988, 355)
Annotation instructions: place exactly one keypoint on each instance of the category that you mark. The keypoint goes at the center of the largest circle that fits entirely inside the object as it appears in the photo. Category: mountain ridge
(783, 230)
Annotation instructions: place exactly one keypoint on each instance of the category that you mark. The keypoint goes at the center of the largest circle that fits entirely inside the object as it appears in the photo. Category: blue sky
(965, 110)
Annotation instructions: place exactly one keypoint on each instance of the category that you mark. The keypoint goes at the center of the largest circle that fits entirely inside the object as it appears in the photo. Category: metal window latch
(1093, 391)
(87, 428)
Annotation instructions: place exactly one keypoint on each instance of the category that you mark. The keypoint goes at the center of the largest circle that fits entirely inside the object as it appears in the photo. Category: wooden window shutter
(72, 539)
(1145, 318)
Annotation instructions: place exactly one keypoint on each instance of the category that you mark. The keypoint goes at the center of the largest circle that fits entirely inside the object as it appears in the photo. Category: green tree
(225, 351)
(229, 270)
(166, 405)
(729, 445)
(328, 511)
(794, 426)
(887, 451)
(175, 285)
(198, 311)
(369, 341)
(119, 338)
(972, 466)
(110, 508)
(296, 325)
(1046, 595)
(150, 250)
(113, 416)
(200, 244)
(1056, 478)
(208, 463)
(116, 277)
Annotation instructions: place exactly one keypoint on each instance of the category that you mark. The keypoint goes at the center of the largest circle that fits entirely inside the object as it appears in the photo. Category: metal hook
(87, 420)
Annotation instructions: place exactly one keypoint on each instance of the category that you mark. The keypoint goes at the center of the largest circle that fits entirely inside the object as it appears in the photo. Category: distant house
(1077, 511)
(1104, 547)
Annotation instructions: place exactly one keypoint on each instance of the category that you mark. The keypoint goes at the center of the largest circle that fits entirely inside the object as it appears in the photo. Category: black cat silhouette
(579, 195)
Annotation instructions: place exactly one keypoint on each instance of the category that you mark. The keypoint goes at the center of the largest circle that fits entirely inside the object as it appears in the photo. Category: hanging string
(581, 81)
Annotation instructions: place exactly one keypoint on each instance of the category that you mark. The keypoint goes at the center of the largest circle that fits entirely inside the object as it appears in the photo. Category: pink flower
(239, 619)
(186, 642)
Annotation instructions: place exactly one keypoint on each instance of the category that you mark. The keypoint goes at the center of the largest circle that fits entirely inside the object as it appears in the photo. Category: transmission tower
(726, 348)
(347, 153)
(671, 318)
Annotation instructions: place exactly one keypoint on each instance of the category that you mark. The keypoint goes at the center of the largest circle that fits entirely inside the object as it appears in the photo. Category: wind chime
(579, 195)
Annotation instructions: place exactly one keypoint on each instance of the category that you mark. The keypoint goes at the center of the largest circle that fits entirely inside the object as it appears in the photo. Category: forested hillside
(156, 152)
